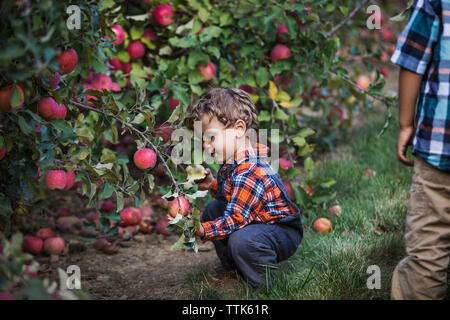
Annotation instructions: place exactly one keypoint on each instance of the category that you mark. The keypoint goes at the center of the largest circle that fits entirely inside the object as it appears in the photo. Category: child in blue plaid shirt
(423, 53)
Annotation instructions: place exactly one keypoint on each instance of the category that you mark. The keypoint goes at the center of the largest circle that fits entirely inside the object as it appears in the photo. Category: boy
(423, 53)
(252, 223)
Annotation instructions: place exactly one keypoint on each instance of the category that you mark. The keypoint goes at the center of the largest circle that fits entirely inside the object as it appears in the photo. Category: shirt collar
(259, 150)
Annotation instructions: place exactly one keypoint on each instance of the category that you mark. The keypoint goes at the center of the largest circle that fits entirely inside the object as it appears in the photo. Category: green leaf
(119, 200)
(299, 141)
(262, 76)
(179, 244)
(344, 10)
(12, 50)
(209, 33)
(225, 19)
(301, 197)
(123, 56)
(186, 42)
(264, 115)
(108, 156)
(203, 14)
(106, 191)
(15, 98)
(323, 196)
(308, 164)
(281, 115)
(136, 32)
(196, 58)
(24, 126)
(306, 132)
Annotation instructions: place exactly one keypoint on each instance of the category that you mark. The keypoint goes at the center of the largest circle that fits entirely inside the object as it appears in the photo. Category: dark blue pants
(254, 245)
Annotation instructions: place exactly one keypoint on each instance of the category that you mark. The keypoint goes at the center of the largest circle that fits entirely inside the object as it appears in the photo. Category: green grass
(334, 265)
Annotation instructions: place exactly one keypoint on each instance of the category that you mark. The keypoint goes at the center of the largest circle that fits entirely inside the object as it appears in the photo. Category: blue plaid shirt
(424, 48)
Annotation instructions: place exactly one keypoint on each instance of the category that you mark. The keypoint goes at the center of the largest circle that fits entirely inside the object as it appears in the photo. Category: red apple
(120, 34)
(173, 103)
(70, 177)
(164, 130)
(145, 158)
(363, 82)
(100, 243)
(146, 212)
(386, 34)
(249, 89)
(145, 225)
(163, 14)
(107, 206)
(289, 189)
(322, 225)
(159, 172)
(47, 107)
(115, 63)
(56, 179)
(280, 31)
(54, 81)
(126, 67)
(285, 163)
(280, 51)
(5, 98)
(208, 72)
(54, 245)
(67, 60)
(149, 34)
(135, 49)
(131, 216)
(179, 203)
(32, 245)
(63, 212)
(45, 233)
(101, 81)
(114, 86)
(369, 173)
(60, 113)
(335, 211)
(2, 152)
(161, 227)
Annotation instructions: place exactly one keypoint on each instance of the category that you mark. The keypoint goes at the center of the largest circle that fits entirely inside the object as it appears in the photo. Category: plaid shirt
(252, 195)
(424, 48)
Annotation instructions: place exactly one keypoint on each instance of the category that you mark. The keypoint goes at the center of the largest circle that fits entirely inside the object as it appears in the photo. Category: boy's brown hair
(227, 104)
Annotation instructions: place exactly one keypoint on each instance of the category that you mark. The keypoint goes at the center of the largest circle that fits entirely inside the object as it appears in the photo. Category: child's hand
(200, 232)
(405, 138)
(206, 182)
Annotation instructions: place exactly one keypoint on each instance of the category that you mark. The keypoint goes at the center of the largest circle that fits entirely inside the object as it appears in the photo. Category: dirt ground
(144, 267)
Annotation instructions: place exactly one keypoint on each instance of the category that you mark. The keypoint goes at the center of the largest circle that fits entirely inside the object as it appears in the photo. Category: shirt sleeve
(213, 189)
(247, 191)
(415, 45)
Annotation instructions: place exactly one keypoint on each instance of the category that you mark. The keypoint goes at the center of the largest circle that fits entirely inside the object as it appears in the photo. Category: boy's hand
(206, 182)
(405, 138)
(200, 232)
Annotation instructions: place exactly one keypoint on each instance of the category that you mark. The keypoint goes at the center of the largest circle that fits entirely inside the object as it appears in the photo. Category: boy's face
(218, 141)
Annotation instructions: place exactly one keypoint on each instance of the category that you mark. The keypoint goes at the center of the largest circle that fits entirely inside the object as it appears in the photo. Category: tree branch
(136, 131)
(343, 22)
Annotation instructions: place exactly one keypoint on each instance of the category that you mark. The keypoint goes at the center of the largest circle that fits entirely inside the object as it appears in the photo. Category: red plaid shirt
(252, 196)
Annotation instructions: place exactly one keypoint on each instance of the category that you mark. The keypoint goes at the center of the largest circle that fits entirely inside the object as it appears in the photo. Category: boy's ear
(240, 127)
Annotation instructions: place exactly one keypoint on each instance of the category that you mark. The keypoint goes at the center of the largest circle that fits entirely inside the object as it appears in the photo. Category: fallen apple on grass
(322, 225)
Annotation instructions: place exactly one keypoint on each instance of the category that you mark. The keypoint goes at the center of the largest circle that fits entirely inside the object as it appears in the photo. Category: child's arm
(409, 83)
(413, 53)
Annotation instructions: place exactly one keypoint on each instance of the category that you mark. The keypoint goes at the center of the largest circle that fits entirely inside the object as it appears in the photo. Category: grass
(368, 232)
